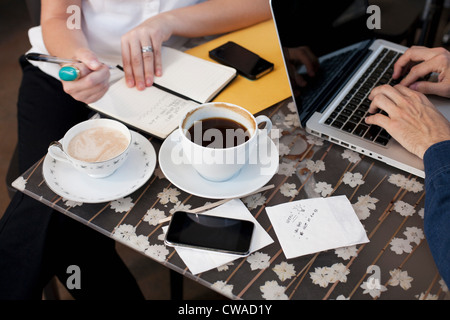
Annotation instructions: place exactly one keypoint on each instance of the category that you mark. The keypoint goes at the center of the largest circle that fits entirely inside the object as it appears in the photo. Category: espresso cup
(220, 163)
(96, 147)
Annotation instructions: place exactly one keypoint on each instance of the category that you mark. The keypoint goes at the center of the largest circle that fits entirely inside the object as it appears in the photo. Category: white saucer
(73, 185)
(185, 177)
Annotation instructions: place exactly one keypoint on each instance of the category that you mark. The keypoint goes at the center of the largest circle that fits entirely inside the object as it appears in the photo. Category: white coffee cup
(220, 164)
(96, 166)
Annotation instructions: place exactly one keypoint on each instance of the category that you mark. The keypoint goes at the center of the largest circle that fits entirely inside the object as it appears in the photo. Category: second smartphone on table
(246, 62)
(210, 232)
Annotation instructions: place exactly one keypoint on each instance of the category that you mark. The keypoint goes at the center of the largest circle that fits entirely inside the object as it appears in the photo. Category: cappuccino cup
(96, 147)
(218, 139)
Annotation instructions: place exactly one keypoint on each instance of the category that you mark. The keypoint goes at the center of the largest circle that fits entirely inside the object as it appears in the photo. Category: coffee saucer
(73, 185)
(185, 177)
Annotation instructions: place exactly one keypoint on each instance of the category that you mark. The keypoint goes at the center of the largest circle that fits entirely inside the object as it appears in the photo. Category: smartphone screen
(247, 63)
(210, 232)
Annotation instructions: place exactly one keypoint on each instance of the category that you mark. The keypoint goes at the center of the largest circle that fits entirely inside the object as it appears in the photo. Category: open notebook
(186, 82)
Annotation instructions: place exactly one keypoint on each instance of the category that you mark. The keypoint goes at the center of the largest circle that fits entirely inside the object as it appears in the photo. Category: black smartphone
(247, 63)
(210, 232)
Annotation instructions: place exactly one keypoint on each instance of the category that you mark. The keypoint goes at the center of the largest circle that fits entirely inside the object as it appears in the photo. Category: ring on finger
(69, 73)
(147, 49)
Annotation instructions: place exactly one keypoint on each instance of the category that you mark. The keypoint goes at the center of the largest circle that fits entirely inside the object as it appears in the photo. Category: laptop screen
(308, 30)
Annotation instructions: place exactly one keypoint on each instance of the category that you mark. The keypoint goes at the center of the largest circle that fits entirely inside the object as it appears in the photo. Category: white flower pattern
(414, 234)
(363, 206)
(258, 260)
(421, 213)
(286, 168)
(283, 149)
(271, 290)
(323, 188)
(158, 173)
(400, 246)
(323, 276)
(122, 205)
(426, 296)
(179, 206)
(320, 276)
(413, 185)
(398, 179)
(223, 288)
(291, 106)
(284, 270)
(124, 232)
(288, 190)
(352, 156)
(443, 285)
(346, 252)
(314, 140)
(71, 203)
(315, 166)
(20, 184)
(254, 201)
(399, 277)
(405, 209)
(157, 251)
(373, 288)
(225, 266)
(401, 181)
(153, 216)
(140, 242)
(292, 120)
(353, 179)
(169, 195)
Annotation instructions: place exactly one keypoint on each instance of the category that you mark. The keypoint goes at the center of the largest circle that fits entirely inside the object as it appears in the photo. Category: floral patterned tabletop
(395, 264)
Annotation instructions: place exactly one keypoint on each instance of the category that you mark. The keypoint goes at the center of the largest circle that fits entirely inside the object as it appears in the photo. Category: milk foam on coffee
(97, 144)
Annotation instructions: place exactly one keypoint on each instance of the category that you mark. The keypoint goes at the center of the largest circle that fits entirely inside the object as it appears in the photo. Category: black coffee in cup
(218, 133)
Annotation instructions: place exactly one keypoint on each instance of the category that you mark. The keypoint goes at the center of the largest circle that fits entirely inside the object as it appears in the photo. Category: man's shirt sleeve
(437, 205)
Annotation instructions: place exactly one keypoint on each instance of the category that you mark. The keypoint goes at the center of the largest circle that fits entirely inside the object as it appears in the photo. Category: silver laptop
(335, 102)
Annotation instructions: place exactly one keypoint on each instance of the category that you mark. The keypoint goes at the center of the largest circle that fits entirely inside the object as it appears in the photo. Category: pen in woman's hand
(67, 72)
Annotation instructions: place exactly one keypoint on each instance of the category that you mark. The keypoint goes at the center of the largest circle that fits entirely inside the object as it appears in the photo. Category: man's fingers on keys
(413, 54)
(382, 102)
(385, 98)
(379, 120)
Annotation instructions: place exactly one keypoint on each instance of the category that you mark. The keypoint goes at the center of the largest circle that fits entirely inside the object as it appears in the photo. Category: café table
(395, 264)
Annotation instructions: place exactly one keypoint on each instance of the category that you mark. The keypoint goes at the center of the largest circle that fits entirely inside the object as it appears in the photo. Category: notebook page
(193, 77)
(152, 110)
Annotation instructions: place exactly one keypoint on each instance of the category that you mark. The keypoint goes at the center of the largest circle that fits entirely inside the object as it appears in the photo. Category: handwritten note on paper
(153, 110)
(299, 218)
(314, 225)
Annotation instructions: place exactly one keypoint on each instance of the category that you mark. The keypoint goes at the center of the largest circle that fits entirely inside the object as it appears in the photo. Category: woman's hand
(94, 80)
(141, 67)
(205, 18)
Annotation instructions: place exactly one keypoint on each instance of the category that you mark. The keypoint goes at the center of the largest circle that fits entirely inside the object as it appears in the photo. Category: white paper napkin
(199, 261)
(313, 225)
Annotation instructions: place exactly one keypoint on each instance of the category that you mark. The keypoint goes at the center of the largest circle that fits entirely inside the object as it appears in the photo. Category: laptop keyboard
(350, 113)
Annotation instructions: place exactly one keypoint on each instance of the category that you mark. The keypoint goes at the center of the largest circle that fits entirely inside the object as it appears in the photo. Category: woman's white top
(104, 22)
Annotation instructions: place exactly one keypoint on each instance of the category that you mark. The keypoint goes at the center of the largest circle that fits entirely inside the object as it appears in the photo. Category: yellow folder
(253, 95)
